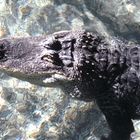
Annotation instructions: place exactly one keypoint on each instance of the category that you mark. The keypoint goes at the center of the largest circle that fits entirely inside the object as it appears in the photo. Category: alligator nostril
(2, 47)
(2, 52)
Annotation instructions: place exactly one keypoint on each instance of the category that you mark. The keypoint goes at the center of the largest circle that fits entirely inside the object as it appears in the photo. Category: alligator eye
(52, 45)
(56, 45)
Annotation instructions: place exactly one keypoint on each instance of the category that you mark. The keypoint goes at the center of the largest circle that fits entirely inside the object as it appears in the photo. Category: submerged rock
(28, 111)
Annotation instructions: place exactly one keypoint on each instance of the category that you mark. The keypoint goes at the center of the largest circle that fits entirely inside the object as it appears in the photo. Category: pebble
(131, 8)
(21, 119)
(32, 131)
(42, 3)
(4, 8)
(2, 32)
(3, 27)
(2, 103)
(24, 11)
(77, 24)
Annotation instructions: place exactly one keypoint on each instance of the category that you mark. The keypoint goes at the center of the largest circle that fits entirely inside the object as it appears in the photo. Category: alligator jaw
(50, 79)
(46, 59)
(34, 59)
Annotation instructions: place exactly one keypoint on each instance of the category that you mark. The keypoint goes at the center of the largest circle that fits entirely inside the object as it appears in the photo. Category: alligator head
(67, 59)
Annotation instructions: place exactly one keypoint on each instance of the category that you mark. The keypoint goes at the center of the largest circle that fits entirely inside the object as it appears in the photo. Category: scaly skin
(86, 66)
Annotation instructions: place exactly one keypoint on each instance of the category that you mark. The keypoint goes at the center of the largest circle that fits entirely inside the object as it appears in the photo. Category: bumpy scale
(86, 66)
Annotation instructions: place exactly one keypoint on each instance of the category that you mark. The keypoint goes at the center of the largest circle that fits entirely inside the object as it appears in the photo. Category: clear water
(29, 112)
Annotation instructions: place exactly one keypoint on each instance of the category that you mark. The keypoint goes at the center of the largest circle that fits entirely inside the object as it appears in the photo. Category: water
(29, 112)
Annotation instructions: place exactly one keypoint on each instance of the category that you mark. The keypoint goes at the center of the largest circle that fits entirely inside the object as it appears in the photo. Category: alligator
(86, 66)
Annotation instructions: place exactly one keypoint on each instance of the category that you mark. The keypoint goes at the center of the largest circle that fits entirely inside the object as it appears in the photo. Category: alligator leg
(118, 120)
